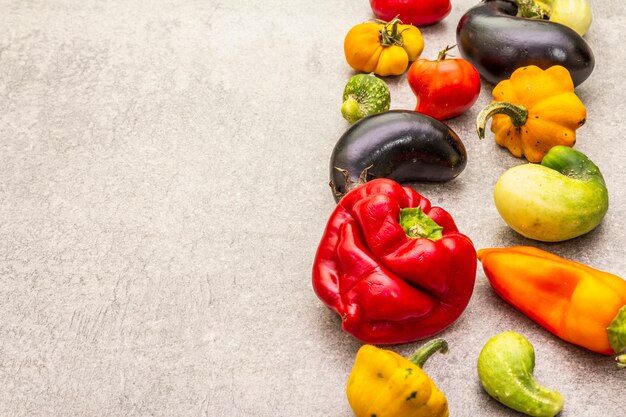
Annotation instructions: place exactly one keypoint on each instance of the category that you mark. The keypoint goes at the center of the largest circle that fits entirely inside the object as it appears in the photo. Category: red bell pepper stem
(417, 224)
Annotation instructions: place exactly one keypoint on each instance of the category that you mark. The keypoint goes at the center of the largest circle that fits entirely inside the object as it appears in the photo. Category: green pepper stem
(518, 115)
(422, 354)
(416, 224)
(617, 334)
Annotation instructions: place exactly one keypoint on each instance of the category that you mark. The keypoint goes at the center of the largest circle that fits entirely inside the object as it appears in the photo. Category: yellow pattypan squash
(383, 48)
(385, 384)
(534, 111)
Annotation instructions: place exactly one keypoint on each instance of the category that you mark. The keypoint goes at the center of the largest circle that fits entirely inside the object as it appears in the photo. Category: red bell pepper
(393, 267)
(412, 12)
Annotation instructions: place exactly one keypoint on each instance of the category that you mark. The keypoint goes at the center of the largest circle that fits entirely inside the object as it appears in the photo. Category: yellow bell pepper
(385, 384)
(383, 48)
(534, 111)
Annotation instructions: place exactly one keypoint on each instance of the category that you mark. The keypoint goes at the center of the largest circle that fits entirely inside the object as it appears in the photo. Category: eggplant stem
(363, 175)
(333, 188)
(350, 184)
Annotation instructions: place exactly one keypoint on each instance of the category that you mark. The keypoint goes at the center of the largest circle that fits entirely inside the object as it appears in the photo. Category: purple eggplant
(497, 42)
(402, 145)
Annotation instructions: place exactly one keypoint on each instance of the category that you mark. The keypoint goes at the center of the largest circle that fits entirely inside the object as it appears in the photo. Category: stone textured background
(163, 188)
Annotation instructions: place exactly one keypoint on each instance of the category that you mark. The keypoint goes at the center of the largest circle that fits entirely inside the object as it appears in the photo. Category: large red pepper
(412, 12)
(393, 267)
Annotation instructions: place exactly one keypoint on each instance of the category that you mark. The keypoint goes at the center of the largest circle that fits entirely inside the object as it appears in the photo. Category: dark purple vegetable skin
(496, 42)
(402, 145)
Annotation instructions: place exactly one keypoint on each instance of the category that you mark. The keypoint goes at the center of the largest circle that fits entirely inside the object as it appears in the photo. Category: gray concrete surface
(163, 188)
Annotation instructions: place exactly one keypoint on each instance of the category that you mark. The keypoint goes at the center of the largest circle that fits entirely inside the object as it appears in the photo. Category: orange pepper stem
(617, 334)
(422, 354)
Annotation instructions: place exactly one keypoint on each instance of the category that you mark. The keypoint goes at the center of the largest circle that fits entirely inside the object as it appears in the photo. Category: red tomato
(411, 12)
(445, 88)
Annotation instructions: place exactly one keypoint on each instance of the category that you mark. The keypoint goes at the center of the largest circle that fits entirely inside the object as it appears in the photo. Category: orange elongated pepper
(577, 303)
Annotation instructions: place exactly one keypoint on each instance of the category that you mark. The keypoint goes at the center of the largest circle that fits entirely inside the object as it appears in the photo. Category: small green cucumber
(563, 197)
(505, 369)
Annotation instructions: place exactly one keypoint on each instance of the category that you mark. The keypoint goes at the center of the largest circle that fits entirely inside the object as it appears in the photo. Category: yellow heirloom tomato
(383, 48)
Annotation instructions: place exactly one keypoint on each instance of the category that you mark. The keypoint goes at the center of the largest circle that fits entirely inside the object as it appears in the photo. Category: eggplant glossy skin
(497, 42)
(401, 145)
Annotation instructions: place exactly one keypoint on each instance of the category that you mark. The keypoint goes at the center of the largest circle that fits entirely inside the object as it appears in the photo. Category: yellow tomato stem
(422, 354)
(518, 115)
(393, 38)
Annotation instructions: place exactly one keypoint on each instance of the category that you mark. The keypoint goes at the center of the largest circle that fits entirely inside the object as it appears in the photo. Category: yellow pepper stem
(422, 354)
(517, 113)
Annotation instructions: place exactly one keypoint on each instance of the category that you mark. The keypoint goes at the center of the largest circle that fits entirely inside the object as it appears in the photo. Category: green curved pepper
(505, 369)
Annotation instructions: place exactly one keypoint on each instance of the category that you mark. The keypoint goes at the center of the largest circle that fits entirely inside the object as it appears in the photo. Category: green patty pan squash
(563, 197)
